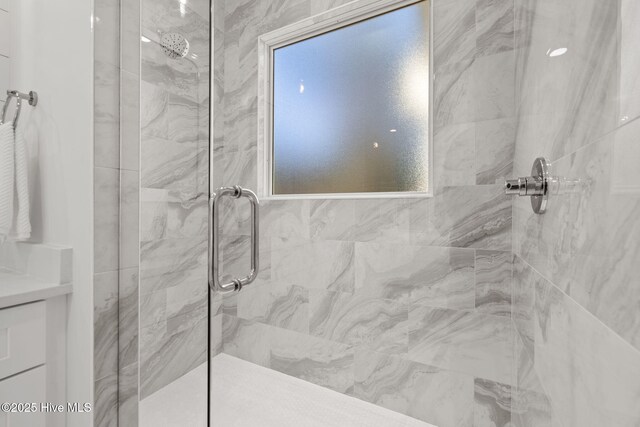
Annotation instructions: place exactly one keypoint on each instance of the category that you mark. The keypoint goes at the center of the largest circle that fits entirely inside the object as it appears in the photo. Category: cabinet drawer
(27, 387)
(22, 338)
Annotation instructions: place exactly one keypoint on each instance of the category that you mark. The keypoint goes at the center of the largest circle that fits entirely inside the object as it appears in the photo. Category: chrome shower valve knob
(535, 186)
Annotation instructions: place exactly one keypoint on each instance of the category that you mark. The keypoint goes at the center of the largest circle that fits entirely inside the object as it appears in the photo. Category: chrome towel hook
(31, 97)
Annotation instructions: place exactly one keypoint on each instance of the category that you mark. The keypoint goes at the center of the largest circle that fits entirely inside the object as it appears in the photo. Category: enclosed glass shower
(457, 307)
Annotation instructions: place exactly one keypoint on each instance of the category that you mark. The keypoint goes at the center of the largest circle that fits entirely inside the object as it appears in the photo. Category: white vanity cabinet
(32, 363)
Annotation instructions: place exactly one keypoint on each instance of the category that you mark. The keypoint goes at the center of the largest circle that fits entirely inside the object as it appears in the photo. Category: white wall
(4, 49)
(52, 53)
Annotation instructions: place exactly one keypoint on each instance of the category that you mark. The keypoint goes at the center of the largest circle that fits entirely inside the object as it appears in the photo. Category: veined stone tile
(530, 405)
(313, 264)
(493, 99)
(477, 344)
(384, 220)
(165, 215)
(128, 396)
(492, 406)
(130, 118)
(183, 117)
(247, 340)
(105, 390)
(579, 244)
(454, 155)
(106, 219)
(495, 150)
(494, 26)
(453, 98)
(128, 312)
(154, 104)
(284, 306)
(106, 130)
(435, 276)
(289, 219)
(107, 30)
(173, 254)
(439, 397)
(173, 166)
(331, 219)
(467, 216)
(167, 354)
(454, 33)
(129, 250)
(356, 319)
(493, 282)
(591, 375)
(322, 362)
(105, 309)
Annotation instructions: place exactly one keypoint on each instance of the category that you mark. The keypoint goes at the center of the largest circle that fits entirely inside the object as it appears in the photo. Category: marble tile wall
(107, 221)
(403, 303)
(575, 289)
(174, 134)
(116, 212)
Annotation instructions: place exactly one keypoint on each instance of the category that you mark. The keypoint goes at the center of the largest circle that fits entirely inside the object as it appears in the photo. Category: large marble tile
(495, 148)
(128, 316)
(492, 404)
(591, 375)
(130, 119)
(494, 26)
(319, 361)
(166, 215)
(453, 94)
(384, 220)
(454, 155)
(247, 340)
(477, 344)
(173, 255)
(130, 36)
(466, 216)
(173, 166)
(580, 86)
(154, 106)
(106, 31)
(493, 282)
(105, 312)
(454, 33)
(105, 401)
(284, 306)
(629, 61)
(313, 264)
(493, 91)
(356, 319)
(106, 219)
(530, 405)
(435, 276)
(436, 396)
(331, 219)
(106, 115)
(289, 219)
(183, 117)
(128, 396)
(129, 235)
(168, 352)
(581, 244)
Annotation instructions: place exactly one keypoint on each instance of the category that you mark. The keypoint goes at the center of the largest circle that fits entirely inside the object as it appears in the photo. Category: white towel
(14, 186)
(7, 178)
(22, 223)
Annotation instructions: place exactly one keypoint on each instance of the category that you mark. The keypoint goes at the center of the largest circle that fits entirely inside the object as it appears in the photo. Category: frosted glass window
(351, 108)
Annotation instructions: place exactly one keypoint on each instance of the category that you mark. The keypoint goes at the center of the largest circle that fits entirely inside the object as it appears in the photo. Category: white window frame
(333, 19)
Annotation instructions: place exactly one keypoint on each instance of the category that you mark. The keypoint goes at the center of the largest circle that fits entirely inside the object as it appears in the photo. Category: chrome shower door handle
(236, 284)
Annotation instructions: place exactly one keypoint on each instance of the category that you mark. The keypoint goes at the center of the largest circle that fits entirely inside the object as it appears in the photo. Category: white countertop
(16, 288)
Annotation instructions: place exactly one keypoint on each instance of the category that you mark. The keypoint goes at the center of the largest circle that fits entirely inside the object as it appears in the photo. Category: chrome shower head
(174, 45)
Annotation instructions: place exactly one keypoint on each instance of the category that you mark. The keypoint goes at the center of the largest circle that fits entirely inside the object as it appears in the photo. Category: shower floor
(248, 395)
